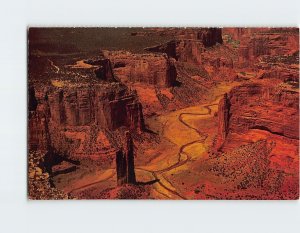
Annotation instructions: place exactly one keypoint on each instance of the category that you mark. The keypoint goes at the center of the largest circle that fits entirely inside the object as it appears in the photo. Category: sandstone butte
(209, 114)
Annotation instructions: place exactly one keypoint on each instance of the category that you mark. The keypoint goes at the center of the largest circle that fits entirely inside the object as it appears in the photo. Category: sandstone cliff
(266, 44)
(189, 46)
(210, 37)
(255, 106)
(74, 120)
(103, 70)
(153, 69)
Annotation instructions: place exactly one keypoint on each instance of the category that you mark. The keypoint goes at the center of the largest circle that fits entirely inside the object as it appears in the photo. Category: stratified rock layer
(153, 69)
(254, 106)
(188, 46)
(104, 70)
(75, 119)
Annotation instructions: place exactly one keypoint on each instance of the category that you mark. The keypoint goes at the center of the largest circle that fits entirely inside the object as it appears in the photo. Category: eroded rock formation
(75, 119)
(223, 119)
(210, 36)
(255, 106)
(125, 162)
(88, 111)
(154, 69)
(103, 70)
(268, 44)
(190, 45)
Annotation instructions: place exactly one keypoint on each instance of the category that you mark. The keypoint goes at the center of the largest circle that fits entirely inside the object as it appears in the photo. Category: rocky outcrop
(281, 73)
(239, 34)
(104, 70)
(266, 44)
(223, 119)
(102, 105)
(249, 52)
(182, 50)
(125, 162)
(272, 51)
(153, 69)
(135, 116)
(38, 134)
(206, 36)
(40, 186)
(254, 106)
(210, 37)
(170, 48)
(74, 120)
(190, 45)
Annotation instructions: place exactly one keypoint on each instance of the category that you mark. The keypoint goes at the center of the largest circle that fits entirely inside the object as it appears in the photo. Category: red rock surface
(125, 162)
(153, 69)
(73, 113)
(254, 112)
(209, 113)
(104, 70)
(254, 106)
(256, 45)
(189, 46)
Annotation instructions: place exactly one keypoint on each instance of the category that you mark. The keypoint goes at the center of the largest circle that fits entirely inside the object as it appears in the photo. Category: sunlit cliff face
(164, 114)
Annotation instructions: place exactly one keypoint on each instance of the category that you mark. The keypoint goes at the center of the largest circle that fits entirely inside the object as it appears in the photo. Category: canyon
(165, 113)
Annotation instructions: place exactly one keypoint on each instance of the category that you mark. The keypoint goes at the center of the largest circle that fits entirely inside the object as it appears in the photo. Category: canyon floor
(185, 136)
(171, 114)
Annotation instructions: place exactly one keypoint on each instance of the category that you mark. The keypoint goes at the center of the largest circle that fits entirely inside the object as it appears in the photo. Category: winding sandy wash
(163, 113)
